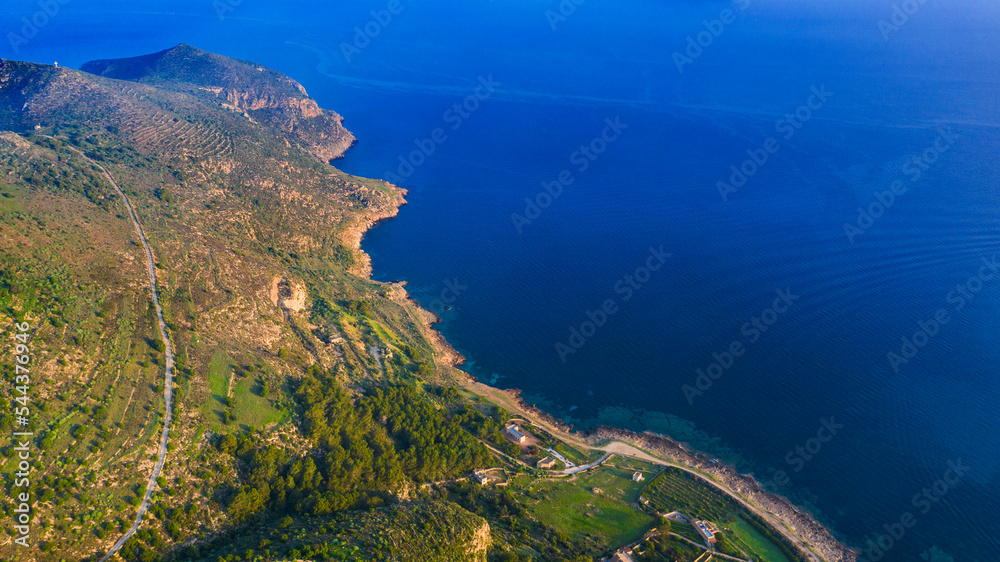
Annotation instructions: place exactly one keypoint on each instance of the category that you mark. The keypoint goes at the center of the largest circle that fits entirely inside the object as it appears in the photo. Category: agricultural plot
(96, 376)
(745, 537)
(223, 219)
(430, 532)
(686, 531)
(169, 134)
(677, 490)
(575, 507)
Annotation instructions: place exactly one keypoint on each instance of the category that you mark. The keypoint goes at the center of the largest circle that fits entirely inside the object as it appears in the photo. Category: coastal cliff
(241, 86)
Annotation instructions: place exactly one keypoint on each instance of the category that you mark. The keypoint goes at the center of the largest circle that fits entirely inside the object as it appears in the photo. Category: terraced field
(165, 133)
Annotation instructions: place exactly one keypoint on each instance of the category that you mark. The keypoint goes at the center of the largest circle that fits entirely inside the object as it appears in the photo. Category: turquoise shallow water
(824, 354)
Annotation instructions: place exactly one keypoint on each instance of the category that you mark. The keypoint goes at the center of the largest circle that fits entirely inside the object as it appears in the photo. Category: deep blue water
(824, 357)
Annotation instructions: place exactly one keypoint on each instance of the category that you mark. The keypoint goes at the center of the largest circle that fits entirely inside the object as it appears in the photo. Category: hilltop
(258, 92)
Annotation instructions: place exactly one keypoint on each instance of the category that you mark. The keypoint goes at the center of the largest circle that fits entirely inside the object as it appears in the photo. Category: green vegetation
(252, 409)
(687, 531)
(599, 504)
(678, 490)
(364, 451)
(666, 548)
(219, 371)
(744, 536)
(434, 531)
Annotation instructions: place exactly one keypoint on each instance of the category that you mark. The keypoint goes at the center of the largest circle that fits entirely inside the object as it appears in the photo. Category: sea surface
(832, 311)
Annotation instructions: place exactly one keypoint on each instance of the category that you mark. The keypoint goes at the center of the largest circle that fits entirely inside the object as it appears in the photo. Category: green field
(677, 490)
(744, 536)
(219, 369)
(686, 531)
(240, 216)
(575, 455)
(685, 550)
(573, 507)
(426, 531)
(251, 409)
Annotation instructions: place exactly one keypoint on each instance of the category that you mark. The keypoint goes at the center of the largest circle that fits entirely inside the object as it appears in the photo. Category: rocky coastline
(817, 539)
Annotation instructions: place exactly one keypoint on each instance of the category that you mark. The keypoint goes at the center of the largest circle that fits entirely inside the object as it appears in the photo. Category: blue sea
(769, 229)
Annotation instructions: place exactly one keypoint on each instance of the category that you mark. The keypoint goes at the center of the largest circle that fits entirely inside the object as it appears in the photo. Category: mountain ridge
(240, 86)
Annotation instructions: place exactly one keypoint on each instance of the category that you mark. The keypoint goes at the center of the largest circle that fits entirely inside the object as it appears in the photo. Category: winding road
(168, 378)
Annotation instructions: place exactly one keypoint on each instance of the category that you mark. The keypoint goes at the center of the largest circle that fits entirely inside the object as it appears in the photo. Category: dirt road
(168, 378)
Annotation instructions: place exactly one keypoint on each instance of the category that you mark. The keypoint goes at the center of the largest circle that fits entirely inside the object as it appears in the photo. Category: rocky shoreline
(815, 536)
(801, 522)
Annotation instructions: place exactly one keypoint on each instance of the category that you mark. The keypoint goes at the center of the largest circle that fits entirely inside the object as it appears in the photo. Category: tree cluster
(362, 451)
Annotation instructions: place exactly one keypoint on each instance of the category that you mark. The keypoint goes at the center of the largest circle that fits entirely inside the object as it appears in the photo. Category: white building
(514, 434)
(481, 477)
